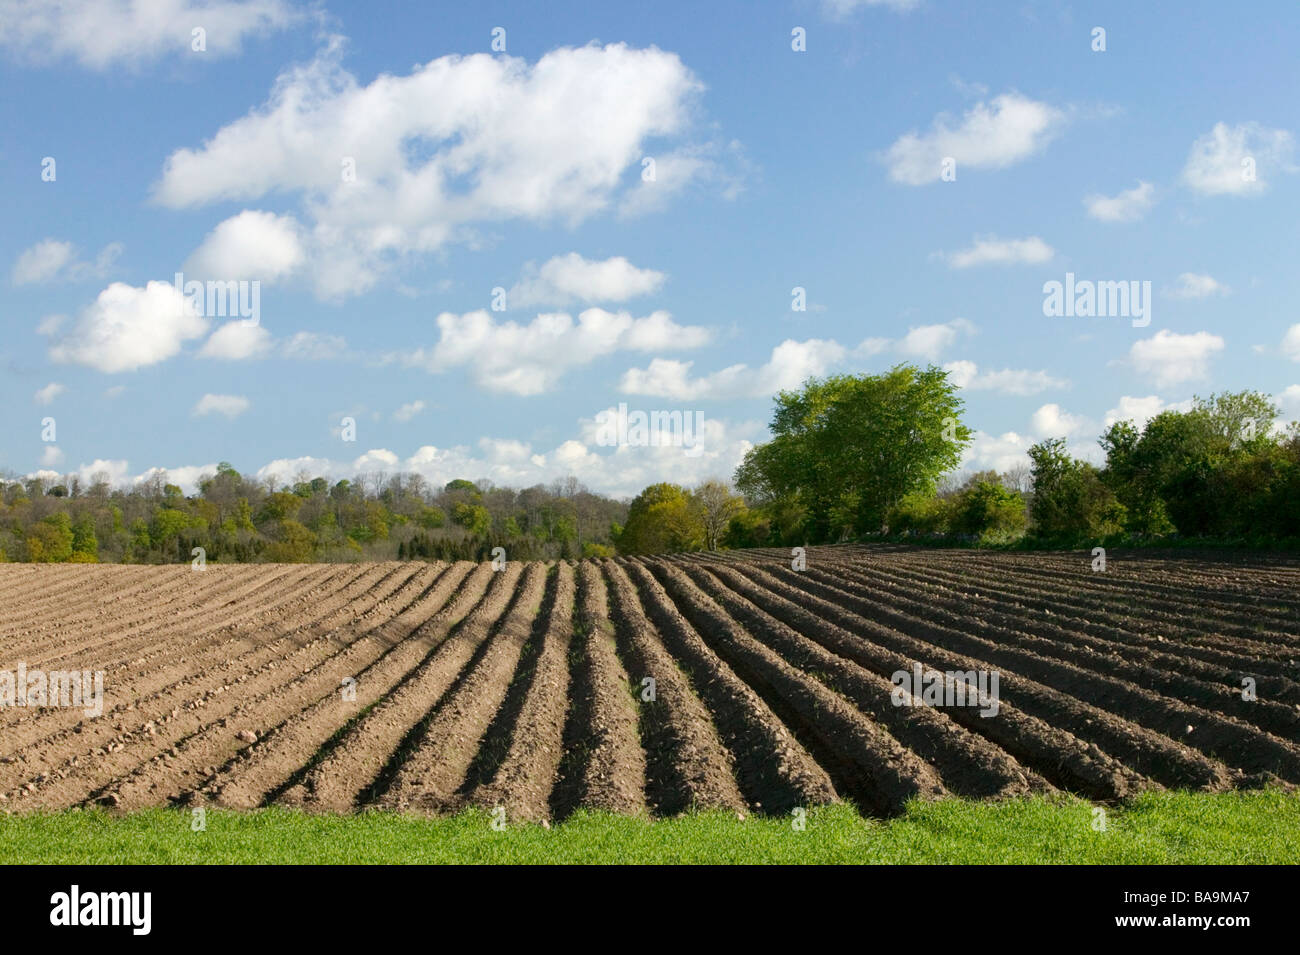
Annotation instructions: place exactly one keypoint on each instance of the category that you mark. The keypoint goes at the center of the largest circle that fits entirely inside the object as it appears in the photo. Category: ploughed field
(433, 687)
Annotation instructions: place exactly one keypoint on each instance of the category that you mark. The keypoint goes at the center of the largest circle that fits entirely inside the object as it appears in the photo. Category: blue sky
(1168, 159)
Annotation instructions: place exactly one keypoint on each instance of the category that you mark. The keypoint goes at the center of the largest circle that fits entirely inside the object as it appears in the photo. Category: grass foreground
(1156, 828)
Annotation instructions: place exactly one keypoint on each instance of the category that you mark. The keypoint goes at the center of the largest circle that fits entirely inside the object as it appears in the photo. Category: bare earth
(431, 687)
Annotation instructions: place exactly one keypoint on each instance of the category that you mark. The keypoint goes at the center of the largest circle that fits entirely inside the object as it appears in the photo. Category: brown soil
(430, 687)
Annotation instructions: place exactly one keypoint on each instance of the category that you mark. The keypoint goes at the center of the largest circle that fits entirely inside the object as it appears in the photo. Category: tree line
(871, 457)
(851, 458)
(238, 518)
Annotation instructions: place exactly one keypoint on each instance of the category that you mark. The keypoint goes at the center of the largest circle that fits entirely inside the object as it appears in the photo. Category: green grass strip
(1156, 828)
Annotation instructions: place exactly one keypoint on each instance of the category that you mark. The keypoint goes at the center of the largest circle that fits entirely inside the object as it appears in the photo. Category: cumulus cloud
(1291, 343)
(42, 262)
(245, 339)
(1289, 401)
(1010, 450)
(1022, 382)
(1169, 358)
(251, 245)
(931, 341)
(236, 341)
(993, 135)
(50, 456)
(117, 473)
(871, 346)
(1129, 206)
(996, 452)
(791, 364)
(128, 328)
(187, 477)
(1140, 410)
(100, 34)
(426, 158)
(52, 259)
(232, 406)
(990, 250)
(312, 346)
(47, 394)
(568, 279)
(1238, 160)
(408, 411)
(530, 359)
(921, 341)
(841, 9)
(720, 168)
(1193, 285)
(619, 471)
(1052, 421)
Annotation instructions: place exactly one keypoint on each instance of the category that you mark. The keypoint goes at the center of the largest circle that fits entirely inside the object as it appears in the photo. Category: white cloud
(1193, 285)
(1051, 421)
(310, 346)
(622, 472)
(237, 341)
(723, 169)
(408, 411)
(379, 459)
(566, 279)
(1129, 206)
(1010, 449)
(1291, 343)
(530, 359)
(251, 245)
(128, 328)
(112, 471)
(1022, 382)
(840, 9)
(460, 142)
(117, 473)
(42, 262)
(1141, 410)
(229, 405)
(871, 346)
(100, 34)
(791, 364)
(961, 373)
(50, 456)
(1289, 402)
(930, 341)
(1169, 358)
(990, 250)
(1221, 161)
(996, 452)
(921, 341)
(244, 339)
(990, 135)
(47, 394)
(51, 258)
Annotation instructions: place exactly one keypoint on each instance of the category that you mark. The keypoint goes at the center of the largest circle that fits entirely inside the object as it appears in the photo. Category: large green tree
(661, 520)
(1070, 499)
(850, 447)
(1173, 473)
